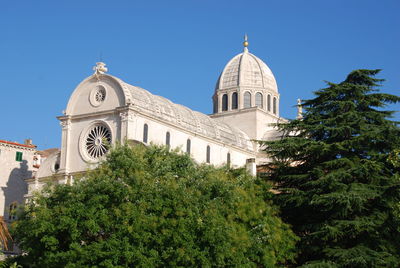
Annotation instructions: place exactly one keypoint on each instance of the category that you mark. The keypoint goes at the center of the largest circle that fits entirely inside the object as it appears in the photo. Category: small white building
(103, 109)
(16, 164)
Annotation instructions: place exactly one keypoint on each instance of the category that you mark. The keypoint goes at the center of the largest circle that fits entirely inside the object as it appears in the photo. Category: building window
(215, 106)
(228, 159)
(97, 96)
(225, 102)
(97, 141)
(247, 100)
(208, 156)
(167, 139)
(259, 100)
(274, 106)
(269, 103)
(145, 133)
(234, 101)
(188, 145)
(18, 156)
(13, 210)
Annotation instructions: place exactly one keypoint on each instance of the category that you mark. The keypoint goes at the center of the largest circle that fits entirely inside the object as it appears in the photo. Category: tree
(149, 207)
(337, 176)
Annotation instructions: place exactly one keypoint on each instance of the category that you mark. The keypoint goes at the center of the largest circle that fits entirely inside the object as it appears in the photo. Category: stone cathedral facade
(104, 109)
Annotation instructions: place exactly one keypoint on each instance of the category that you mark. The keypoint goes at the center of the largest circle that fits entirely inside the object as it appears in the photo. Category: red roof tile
(17, 144)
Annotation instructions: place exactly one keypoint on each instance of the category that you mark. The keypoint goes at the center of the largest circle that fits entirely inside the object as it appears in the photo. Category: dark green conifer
(337, 176)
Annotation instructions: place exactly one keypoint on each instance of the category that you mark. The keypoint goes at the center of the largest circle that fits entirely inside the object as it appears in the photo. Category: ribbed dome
(246, 70)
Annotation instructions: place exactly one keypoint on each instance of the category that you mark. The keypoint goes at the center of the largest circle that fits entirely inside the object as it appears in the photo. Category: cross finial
(245, 43)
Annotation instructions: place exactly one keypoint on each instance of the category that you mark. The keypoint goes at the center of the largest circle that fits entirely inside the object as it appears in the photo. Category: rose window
(100, 95)
(97, 95)
(98, 141)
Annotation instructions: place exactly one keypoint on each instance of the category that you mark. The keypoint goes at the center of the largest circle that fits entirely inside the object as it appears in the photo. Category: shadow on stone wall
(16, 187)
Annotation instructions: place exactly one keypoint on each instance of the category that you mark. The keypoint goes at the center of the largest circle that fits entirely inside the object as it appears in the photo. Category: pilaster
(127, 118)
(65, 139)
(230, 101)
(219, 102)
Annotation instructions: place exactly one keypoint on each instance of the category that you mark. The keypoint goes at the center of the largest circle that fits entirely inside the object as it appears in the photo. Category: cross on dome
(245, 43)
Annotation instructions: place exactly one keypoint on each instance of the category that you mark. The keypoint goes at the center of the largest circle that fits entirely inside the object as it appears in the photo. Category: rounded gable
(97, 93)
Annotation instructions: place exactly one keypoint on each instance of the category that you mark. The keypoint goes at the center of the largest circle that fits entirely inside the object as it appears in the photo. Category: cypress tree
(336, 174)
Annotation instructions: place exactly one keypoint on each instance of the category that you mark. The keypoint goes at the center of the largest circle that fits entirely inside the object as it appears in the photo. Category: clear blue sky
(177, 49)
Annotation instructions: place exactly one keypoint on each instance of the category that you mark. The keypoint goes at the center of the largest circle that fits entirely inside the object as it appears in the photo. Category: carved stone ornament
(299, 109)
(100, 68)
(126, 116)
(65, 124)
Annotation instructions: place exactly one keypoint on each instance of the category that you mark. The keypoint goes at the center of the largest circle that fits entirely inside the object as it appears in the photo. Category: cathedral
(103, 109)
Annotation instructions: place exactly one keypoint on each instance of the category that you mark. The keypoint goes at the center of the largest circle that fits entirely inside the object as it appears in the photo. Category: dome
(246, 70)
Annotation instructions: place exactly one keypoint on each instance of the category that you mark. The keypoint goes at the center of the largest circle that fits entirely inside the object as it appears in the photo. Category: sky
(177, 49)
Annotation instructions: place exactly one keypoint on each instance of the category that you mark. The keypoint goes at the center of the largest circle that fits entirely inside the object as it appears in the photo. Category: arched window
(208, 156)
(247, 100)
(145, 133)
(225, 102)
(274, 105)
(259, 100)
(228, 159)
(188, 145)
(215, 106)
(269, 103)
(167, 139)
(12, 212)
(234, 101)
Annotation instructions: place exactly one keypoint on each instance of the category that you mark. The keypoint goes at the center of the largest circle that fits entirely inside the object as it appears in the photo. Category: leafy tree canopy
(337, 174)
(149, 207)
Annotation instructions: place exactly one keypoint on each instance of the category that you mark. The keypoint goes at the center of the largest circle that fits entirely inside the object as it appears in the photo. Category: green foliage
(337, 174)
(9, 263)
(149, 207)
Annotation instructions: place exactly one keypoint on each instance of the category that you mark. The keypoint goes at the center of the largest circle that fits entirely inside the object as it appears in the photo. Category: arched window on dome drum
(234, 101)
(145, 133)
(247, 100)
(215, 106)
(208, 156)
(188, 145)
(228, 159)
(167, 139)
(269, 103)
(225, 102)
(274, 106)
(259, 100)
